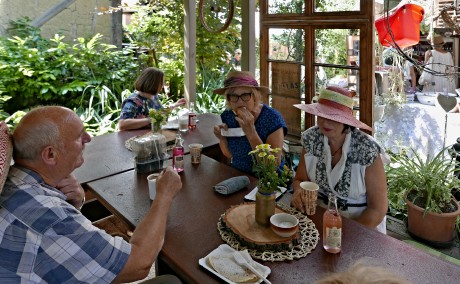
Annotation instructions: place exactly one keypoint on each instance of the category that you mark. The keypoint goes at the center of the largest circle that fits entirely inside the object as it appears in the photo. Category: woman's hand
(297, 200)
(246, 120)
(179, 103)
(218, 128)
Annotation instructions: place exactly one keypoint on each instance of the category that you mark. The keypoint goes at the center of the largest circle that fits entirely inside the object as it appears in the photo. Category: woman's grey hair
(33, 136)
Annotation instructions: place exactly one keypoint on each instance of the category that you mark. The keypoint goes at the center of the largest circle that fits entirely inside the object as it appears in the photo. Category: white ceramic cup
(309, 196)
(183, 123)
(152, 181)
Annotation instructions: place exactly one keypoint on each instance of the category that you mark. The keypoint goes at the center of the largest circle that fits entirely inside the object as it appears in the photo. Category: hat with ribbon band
(241, 79)
(334, 103)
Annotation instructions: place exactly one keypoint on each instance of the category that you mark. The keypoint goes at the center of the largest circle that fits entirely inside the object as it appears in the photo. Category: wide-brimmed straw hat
(6, 150)
(241, 79)
(438, 40)
(336, 104)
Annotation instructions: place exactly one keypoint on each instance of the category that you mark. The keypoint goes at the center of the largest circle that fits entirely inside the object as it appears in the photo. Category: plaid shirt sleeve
(45, 239)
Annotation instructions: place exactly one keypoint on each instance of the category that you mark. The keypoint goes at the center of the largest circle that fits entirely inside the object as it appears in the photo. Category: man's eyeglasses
(244, 97)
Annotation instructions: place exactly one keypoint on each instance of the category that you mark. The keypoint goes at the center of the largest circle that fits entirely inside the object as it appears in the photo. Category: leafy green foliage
(265, 166)
(429, 182)
(37, 71)
(159, 28)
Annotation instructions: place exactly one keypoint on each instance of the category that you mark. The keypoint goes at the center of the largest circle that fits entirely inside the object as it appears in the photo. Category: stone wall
(79, 19)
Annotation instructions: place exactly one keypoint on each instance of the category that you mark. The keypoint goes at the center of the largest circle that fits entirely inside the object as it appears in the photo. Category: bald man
(44, 237)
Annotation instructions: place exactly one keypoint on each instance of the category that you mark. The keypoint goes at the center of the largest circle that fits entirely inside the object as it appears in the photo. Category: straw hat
(6, 150)
(438, 40)
(241, 79)
(336, 104)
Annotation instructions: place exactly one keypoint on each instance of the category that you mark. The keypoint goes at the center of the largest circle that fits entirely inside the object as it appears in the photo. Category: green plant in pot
(424, 188)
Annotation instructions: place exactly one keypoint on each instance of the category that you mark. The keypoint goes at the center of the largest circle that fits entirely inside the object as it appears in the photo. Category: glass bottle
(332, 226)
(192, 117)
(178, 154)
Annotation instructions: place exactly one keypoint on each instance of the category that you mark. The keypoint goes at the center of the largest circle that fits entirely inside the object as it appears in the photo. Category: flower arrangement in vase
(158, 117)
(266, 168)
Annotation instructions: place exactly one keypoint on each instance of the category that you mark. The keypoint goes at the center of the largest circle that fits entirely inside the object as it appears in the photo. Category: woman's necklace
(335, 152)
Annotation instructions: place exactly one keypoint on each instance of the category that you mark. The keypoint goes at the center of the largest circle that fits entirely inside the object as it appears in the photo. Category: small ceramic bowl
(284, 224)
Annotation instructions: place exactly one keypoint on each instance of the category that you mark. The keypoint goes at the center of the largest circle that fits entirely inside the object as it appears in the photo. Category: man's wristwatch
(82, 203)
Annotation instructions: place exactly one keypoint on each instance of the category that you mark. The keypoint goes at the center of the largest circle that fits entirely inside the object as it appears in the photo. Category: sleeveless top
(346, 179)
(442, 63)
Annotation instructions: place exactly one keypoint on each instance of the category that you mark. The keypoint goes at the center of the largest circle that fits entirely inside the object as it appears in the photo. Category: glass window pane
(337, 46)
(337, 6)
(286, 6)
(287, 84)
(286, 44)
(343, 77)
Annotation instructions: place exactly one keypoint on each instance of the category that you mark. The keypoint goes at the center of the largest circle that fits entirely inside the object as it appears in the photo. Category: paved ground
(397, 229)
(422, 127)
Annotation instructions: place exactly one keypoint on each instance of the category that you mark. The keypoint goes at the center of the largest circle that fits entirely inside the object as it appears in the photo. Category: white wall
(80, 19)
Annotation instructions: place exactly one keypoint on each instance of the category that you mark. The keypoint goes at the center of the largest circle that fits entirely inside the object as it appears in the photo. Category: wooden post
(190, 50)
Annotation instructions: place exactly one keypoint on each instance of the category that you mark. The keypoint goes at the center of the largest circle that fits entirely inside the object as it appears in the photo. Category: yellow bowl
(284, 224)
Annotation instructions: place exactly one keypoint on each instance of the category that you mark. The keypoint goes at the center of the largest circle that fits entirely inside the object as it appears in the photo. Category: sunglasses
(244, 97)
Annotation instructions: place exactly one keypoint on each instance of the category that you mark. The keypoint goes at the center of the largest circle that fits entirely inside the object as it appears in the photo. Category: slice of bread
(227, 266)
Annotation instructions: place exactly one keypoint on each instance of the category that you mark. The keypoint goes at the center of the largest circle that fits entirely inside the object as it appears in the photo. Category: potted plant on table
(266, 168)
(425, 186)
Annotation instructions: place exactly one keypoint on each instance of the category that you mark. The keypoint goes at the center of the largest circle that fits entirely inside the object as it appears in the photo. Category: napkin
(252, 195)
(232, 185)
(224, 250)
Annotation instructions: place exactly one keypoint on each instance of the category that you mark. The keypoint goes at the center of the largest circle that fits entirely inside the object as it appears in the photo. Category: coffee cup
(195, 152)
(309, 196)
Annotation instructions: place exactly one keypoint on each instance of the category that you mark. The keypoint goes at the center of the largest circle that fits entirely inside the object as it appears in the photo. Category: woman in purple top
(259, 123)
(135, 108)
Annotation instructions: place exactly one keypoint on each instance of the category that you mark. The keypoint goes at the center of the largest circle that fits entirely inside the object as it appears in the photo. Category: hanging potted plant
(265, 167)
(426, 187)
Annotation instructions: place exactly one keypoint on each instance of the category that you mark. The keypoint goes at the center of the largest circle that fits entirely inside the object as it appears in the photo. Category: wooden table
(107, 155)
(192, 232)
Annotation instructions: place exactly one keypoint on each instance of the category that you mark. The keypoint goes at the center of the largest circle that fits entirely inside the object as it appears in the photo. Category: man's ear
(49, 155)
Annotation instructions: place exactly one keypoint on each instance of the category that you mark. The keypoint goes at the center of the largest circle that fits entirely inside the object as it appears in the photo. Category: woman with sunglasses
(259, 123)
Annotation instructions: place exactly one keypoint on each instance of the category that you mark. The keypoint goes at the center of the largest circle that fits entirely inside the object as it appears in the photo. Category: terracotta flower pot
(435, 229)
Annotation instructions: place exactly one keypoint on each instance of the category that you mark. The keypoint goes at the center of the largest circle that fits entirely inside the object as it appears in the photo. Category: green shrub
(37, 71)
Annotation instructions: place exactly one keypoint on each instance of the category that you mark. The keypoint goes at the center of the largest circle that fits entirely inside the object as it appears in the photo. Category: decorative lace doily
(309, 237)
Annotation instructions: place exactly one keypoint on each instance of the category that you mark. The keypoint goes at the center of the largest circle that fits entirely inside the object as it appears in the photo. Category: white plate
(232, 132)
(252, 195)
(171, 124)
(226, 249)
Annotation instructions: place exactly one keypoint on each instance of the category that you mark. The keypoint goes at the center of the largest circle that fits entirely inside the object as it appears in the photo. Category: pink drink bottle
(178, 154)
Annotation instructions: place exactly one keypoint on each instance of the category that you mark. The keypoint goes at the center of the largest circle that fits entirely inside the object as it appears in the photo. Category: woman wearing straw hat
(441, 62)
(259, 122)
(343, 160)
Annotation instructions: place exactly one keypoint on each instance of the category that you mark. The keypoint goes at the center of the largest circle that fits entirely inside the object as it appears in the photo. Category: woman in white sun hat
(343, 160)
